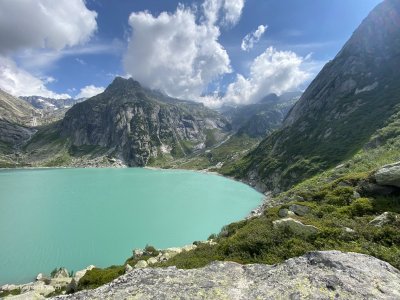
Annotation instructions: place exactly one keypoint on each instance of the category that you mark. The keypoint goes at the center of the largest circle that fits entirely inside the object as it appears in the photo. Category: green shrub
(150, 251)
(362, 206)
(97, 277)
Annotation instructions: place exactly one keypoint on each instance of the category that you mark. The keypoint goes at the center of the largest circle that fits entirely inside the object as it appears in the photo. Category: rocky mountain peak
(122, 84)
(372, 50)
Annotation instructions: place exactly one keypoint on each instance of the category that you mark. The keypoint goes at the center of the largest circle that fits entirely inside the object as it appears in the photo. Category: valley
(326, 162)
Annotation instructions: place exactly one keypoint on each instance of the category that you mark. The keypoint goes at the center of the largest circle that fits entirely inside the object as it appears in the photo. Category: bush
(97, 277)
(150, 251)
(361, 206)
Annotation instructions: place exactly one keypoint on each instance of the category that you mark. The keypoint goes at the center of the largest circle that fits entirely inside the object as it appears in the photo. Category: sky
(211, 51)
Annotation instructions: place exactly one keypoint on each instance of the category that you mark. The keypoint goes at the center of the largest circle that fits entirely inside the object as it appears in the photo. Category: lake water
(76, 217)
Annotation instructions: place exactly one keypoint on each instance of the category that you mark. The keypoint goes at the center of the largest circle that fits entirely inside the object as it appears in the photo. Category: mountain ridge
(344, 105)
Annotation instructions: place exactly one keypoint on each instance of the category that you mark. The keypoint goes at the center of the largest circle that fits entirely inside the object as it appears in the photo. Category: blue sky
(303, 35)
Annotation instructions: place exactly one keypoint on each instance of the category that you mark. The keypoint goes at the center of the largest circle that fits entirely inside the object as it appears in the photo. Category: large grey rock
(316, 275)
(299, 210)
(141, 264)
(61, 273)
(128, 268)
(389, 175)
(296, 226)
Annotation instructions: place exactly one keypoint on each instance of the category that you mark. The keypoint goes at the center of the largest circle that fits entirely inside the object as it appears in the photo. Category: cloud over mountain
(39, 24)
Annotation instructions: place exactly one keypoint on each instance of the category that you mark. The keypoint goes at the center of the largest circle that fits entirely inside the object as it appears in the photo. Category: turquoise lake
(76, 217)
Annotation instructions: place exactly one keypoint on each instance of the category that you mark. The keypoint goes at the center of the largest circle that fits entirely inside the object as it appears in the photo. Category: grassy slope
(228, 152)
(333, 207)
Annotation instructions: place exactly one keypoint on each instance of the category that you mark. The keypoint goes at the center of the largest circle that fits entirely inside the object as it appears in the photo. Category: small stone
(40, 277)
(349, 230)
(141, 264)
(152, 261)
(128, 268)
(137, 253)
(356, 195)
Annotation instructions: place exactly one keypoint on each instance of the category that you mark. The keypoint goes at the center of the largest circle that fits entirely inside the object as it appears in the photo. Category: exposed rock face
(296, 226)
(316, 275)
(299, 210)
(389, 175)
(16, 117)
(383, 219)
(352, 97)
(16, 111)
(138, 124)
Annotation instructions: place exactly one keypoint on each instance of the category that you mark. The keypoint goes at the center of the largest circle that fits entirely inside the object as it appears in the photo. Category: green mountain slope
(348, 101)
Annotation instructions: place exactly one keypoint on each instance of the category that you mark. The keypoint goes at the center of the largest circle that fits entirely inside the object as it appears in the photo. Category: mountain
(139, 125)
(259, 119)
(352, 97)
(16, 118)
(50, 104)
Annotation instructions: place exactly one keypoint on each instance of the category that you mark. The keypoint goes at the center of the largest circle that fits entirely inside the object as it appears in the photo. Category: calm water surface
(77, 217)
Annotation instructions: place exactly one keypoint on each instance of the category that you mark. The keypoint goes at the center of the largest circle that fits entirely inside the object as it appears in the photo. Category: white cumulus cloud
(27, 26)
(271, 72)
(175, 53)
(228, 12)
(44, 24)
(252, 38)
(90, 91)
(18, 82)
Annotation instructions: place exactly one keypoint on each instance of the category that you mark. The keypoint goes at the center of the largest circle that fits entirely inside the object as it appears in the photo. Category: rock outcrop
(316, 275)
(16, 119)
(389, 175)
(385, 218)
(296, 226)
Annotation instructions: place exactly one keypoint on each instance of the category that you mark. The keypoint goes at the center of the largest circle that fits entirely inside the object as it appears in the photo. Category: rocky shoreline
(61, 281)
(315, 275)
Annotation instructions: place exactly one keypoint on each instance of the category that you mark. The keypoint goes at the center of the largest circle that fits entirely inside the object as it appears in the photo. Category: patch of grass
(10, 293)
(97, 277)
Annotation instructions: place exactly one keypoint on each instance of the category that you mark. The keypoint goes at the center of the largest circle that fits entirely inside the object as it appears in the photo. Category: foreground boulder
(316, 275)
(389, 175)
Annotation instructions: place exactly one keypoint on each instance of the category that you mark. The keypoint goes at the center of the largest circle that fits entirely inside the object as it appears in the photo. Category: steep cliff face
(139, 125)
(16, 119)
(352, 97)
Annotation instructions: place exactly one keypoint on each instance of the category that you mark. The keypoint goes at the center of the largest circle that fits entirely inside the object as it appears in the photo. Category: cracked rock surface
(316, 275)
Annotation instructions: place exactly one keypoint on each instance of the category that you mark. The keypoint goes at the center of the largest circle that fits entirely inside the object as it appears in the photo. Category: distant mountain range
(135, 126)
(51, 104)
